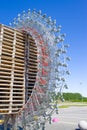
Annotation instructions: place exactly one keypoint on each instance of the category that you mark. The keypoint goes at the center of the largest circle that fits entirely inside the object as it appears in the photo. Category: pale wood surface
(13, 69)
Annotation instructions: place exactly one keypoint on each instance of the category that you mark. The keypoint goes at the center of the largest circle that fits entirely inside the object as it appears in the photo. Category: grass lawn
(69, 104)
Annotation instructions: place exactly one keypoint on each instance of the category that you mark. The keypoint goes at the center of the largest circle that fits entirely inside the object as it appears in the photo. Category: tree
(74, 97)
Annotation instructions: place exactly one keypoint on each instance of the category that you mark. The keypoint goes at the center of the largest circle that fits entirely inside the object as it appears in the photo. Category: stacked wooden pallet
(17, 74)
(31, 65)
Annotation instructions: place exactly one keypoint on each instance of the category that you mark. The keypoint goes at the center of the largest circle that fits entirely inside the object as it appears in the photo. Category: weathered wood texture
(18, 69)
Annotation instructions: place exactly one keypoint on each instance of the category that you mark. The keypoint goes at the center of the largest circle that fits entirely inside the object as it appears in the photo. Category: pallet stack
(18, 69)
(31, 65)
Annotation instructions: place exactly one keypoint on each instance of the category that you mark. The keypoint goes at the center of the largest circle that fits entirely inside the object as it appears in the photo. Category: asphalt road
(68, 118)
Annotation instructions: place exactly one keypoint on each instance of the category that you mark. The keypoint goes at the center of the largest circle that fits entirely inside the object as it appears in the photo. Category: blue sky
(72, 15)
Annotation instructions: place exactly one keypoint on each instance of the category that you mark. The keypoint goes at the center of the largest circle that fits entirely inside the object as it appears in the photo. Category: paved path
(68, 118)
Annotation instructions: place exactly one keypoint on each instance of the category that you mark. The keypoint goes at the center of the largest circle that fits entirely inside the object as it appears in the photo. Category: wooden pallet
(17, 73)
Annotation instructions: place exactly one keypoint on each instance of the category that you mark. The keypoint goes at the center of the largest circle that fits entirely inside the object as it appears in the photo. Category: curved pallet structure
(32, 70)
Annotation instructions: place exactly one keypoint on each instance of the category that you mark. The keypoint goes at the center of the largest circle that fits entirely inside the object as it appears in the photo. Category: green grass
(64, 106)
(70, 104)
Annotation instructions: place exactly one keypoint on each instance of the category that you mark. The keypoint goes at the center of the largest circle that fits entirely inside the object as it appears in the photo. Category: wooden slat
(8, 33)
(7, 50)
(9, 36)
(7, 40)
(19, 47)
(6, 58)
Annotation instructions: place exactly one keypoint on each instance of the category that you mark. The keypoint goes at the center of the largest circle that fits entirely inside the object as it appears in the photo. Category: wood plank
(5, 77)
(4, 69)
(21, 41)
(7, 40)
(33, 51)
(20, 47)
(19, 54)
(18, 67)
(6, 50)
(8, 33)
(20, 50)
(4, 88)
(8, 29)
(33, 60)
(18, 82)
(20, 33)
(33, 48)
(18, 60)
(6, 58)
(19, 64)
(9, 36)
(20, 37)
(7, 47)
(6, 43)
(3, 65)
(33, 80)
(18, 86)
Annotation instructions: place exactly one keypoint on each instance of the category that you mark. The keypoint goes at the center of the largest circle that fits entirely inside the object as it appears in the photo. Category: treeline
(74, 97)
